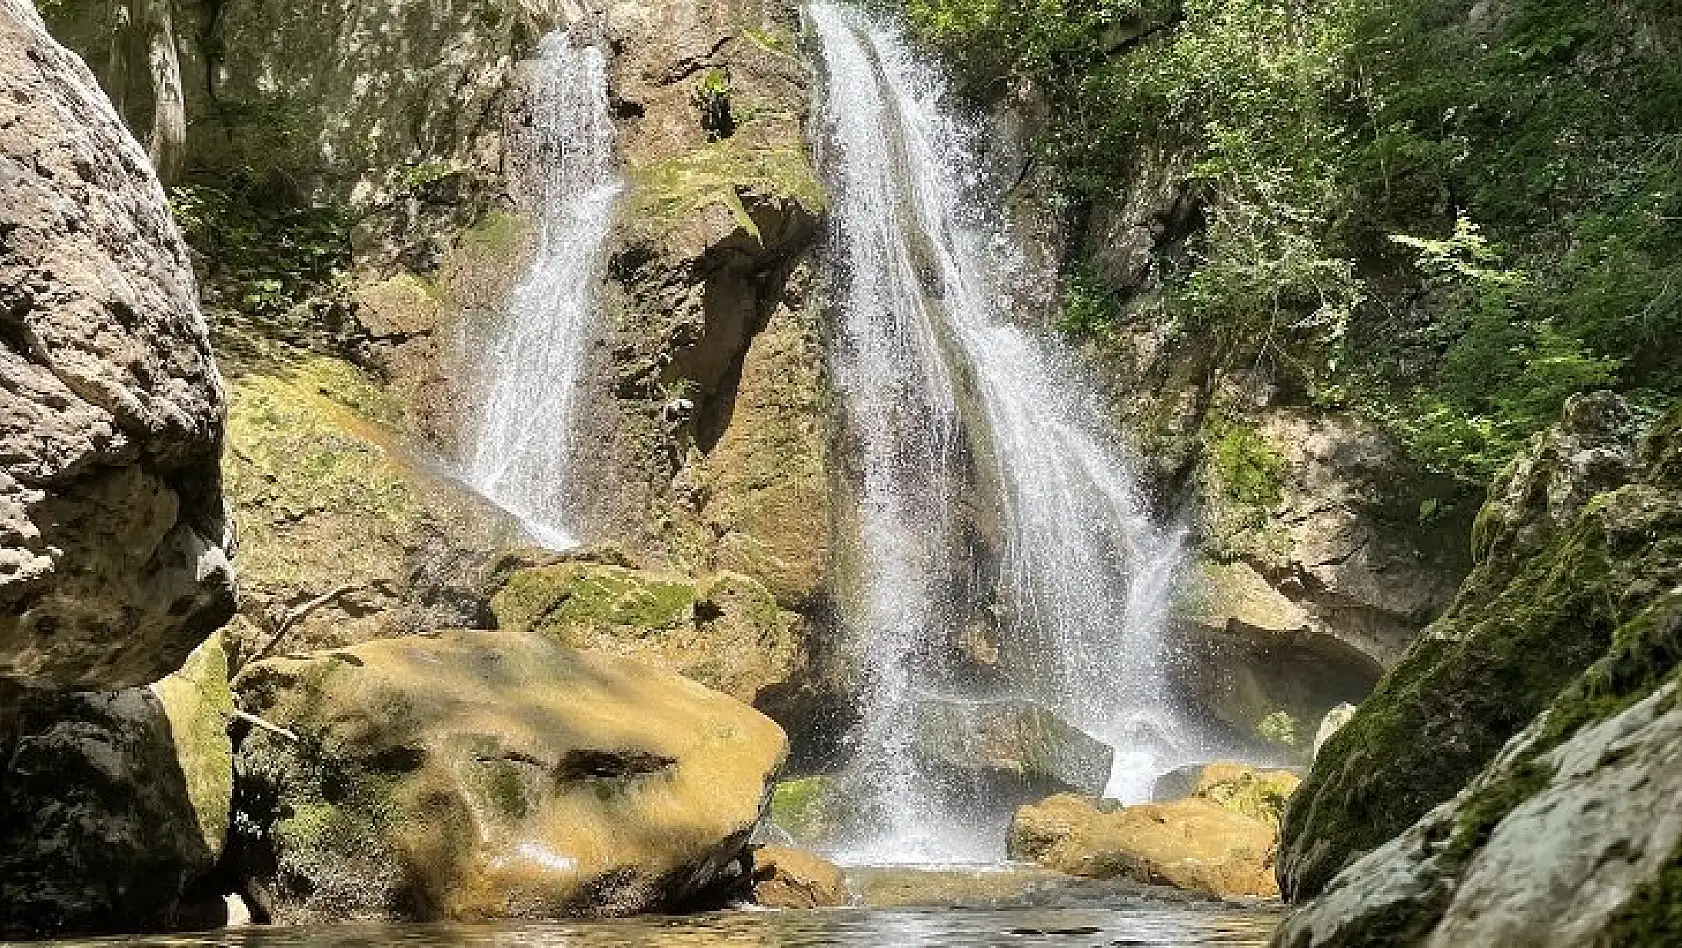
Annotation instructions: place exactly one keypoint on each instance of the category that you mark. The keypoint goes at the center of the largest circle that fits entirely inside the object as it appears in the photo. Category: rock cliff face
(1528, 737)
(113, 544)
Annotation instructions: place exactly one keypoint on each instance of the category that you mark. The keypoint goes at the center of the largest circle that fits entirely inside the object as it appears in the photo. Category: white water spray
(959, 416)
(533, 368)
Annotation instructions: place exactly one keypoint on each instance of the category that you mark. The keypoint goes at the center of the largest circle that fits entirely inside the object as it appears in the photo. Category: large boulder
(1195, 843)
(1579, 535)
(114, 806)
(1006, 751)
(113, 560)
(491, 775)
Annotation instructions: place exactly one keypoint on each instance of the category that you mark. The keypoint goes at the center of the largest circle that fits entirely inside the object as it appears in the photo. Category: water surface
(1141, 925)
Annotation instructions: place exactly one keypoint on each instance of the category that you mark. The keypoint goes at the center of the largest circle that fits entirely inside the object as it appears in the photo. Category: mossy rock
(479, 775)
(724, 630)
(1258, 794)
(328, 496)
(1570, 562)
(814, 811)
(671, 194)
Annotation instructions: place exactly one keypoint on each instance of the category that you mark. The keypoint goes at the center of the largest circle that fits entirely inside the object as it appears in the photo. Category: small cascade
(532, 369)
(986, 502)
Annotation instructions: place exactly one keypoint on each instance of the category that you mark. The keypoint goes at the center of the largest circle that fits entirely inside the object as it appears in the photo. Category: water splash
(983, 491)
(532, 371)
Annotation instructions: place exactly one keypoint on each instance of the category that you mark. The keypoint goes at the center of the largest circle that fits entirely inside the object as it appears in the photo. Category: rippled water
(1146, 925)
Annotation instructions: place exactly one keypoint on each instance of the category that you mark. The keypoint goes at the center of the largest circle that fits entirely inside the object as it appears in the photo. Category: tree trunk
(169, 107)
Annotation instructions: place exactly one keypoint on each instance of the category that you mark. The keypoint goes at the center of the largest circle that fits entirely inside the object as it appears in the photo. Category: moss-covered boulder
(333, 501)
(1580, 537)
(114, 806)
(493, 775)
(1194, 844)
(724, 630)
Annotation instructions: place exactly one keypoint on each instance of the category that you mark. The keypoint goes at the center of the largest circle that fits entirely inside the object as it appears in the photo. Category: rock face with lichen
(113, 559)
(493, 775)
(1470, 799)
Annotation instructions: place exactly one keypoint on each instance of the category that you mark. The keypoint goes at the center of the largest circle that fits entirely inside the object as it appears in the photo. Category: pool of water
(1145, 926)
(900, 907)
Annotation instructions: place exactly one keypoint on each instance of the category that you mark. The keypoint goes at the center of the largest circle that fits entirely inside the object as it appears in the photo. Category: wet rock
(1334, 721)
(1193, 844)
(114, 806)
(1578, 537)
(785, 877)
(113, 560)
(493, 775)
(1003, 751)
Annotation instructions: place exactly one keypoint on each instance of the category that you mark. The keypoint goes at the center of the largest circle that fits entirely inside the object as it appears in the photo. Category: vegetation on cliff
(1444, 214)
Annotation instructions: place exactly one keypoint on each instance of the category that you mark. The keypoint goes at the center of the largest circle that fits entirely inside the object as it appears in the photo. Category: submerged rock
(785, 877)
(113, 560)
(1004, 751)
(493, 775)
(1194, 844)
(114, 806)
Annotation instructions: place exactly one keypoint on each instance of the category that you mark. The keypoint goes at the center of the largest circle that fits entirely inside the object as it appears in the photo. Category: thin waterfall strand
(532, 371)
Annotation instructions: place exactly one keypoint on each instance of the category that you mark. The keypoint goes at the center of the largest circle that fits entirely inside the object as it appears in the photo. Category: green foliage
(1090, 310)
(1279, 728)
(1249, 469)
(712, 97)
(263, 261)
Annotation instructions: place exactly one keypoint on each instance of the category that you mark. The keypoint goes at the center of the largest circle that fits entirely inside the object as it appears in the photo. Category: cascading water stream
(958, 419)
(532, 369)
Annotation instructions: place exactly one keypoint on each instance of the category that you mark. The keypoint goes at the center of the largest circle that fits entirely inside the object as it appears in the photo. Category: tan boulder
(1194, 844)
(492, 775)
(786, 877)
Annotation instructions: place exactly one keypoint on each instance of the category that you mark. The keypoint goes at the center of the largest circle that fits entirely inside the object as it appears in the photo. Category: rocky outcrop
(1252, 659)
(724, 630)
(114, 806)
(492, 775)
(1579, 844)
(1001, 752)
(346, 534)
(113, 559)
(1193, 844)
(789, 878)
(1572, 610)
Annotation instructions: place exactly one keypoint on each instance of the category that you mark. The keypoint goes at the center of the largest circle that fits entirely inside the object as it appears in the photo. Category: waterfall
(984, 488)
(532, 369)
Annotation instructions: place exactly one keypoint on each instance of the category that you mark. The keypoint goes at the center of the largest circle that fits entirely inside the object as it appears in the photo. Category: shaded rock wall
(1542, 690)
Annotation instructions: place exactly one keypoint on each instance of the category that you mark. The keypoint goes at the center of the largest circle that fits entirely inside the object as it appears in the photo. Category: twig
(256, 721)
(291, 619)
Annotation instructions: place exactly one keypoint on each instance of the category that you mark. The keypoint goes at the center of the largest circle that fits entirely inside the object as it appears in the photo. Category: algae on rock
(494, 775)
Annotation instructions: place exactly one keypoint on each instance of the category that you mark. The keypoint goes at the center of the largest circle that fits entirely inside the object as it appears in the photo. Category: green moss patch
(670, 192)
